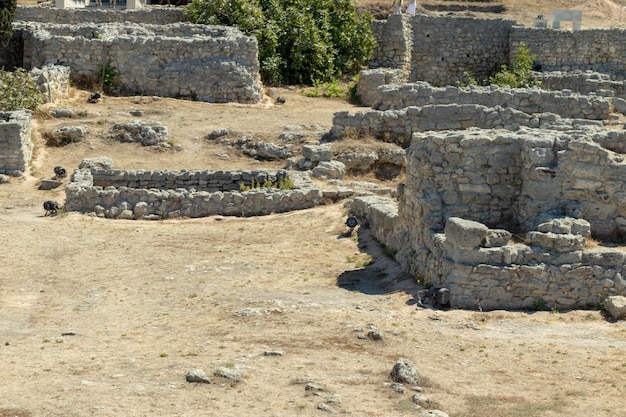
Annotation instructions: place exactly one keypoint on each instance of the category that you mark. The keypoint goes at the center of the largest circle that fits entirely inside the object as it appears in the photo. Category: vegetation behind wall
(300, 41)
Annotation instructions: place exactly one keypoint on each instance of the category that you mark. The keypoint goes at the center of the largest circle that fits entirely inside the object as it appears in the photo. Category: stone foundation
(155, 195)
(16, 148)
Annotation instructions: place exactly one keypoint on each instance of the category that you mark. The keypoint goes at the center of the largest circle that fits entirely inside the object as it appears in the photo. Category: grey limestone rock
(616, 307)
(317, 153)
(4, 179)
(331, 170)
(405, 371)
(198, 376)
(466, 234)
(103, 162)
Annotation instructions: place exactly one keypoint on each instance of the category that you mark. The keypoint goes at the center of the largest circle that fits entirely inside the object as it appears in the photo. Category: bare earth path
(105, 318)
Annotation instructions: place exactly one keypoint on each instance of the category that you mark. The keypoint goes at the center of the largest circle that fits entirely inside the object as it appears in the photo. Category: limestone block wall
(16, 148)
(207, 63)
(528, 100)
(503, 219)
(601, 50)
(125, 194)
(441, 49)
(398, 125)
(154, 15)
(583, 82)
(393, 44)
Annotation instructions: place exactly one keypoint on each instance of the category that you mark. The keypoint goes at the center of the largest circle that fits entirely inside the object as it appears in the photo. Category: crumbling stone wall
(16, 148)
(153, 195)
(583, 82)
(53, 81)
(398, 125)
(207, 63)
(503, 219)
(528, 100)
(154, 15)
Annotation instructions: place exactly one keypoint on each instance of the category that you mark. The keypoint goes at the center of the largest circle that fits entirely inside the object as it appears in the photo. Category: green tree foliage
(7, 14)
(520, 74)
(18, 91)
(300, 41)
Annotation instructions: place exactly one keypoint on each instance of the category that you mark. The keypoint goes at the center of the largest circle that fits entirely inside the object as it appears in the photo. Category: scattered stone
(217, 133)
(146, 133)
(314, 386)
(68, 334)
(405, 371)
(615, 306)
(136, 112)
(325, 407)
(198, 376)
(421, 400)
(375, 335)
(472, 325)
(103, 162)
(435, 317)
(397, 387)
(317, 153)
(266, 151)
(4, 179)
(273, 353)
(333, 399)
(331, 170)
(230, 374)
(62, 113)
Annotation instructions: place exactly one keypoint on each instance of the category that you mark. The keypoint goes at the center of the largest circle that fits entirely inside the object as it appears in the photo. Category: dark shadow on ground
(383, 275)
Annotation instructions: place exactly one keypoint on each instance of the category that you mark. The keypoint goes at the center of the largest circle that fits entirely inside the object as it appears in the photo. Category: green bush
(7, 14)
(300, 41)
(19, 91)
(520, 74)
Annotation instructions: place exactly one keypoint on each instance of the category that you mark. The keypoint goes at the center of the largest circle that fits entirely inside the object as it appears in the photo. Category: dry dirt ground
(106, 317)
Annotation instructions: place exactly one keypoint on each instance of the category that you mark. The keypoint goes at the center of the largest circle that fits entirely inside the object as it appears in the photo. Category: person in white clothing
(397, 6)
(410, 9)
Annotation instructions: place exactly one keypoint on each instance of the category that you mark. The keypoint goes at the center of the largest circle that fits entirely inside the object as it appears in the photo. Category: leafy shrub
(520, 74)
(19, 91)
(109, 75)
(300, 41)
(283, 183)
(7, 14)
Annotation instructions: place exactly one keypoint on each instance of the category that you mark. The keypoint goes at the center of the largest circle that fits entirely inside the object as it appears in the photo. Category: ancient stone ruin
(514, 198)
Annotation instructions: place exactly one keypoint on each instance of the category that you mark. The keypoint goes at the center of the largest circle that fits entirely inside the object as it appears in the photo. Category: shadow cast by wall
(378, 276)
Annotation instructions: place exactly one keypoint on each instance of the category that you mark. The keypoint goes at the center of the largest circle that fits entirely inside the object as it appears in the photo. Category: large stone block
(465, 234)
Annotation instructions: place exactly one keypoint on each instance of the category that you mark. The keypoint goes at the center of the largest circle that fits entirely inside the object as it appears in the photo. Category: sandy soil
(104, 317)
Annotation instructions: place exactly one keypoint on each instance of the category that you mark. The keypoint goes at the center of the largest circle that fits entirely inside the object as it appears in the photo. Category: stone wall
(503, 219)
(583, 82)
(601, 50)
(154, 15)
(441, 49)
(207, 63)
(16, 148)
(528, 100)
(398, 125)
(153, 195)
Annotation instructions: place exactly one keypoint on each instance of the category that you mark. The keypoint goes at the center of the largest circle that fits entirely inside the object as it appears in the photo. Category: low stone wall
(16, 148)
(371, 79)
(154, 195)
(471, 198)
(206, 63)
(528, 100)
(398, 125)
(583, 82)
(154, 15)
